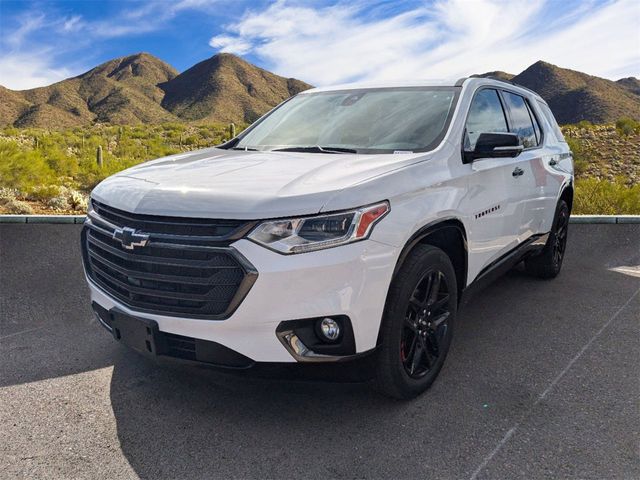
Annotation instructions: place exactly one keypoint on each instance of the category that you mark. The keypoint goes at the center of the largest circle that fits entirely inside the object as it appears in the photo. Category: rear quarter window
(520, 119)
(548, 115)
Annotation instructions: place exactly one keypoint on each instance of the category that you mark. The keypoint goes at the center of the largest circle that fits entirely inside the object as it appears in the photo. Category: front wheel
(549, 262)
(417, 325)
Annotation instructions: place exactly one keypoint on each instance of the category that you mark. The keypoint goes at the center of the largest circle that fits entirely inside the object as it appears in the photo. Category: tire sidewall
(423, 259)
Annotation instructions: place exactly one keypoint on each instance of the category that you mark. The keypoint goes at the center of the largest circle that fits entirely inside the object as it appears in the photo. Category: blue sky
(322, 42)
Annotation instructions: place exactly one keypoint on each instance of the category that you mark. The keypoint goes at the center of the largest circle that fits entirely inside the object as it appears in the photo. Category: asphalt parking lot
(541, 382)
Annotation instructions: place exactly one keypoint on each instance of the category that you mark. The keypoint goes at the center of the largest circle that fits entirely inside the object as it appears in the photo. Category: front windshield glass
(383, 120)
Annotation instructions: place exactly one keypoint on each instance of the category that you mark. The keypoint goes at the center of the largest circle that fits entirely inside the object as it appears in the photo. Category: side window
(552, 121)
(536, 125)
(520, 119)
(486, 115)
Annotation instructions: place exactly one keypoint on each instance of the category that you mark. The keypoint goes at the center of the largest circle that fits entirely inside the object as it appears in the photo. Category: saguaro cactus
(232, 130)
(99, 156)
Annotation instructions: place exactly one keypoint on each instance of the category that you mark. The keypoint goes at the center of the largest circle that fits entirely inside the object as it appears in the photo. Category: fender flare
(429, 229)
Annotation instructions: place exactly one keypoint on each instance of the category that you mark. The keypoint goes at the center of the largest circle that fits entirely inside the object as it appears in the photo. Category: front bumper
(349, 280)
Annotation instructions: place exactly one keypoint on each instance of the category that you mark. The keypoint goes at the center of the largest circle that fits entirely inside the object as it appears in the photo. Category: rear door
(533, 178)
(495, 198)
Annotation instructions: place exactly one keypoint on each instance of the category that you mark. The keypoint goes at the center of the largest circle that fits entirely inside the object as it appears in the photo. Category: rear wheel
(417, 325)
(549, 262)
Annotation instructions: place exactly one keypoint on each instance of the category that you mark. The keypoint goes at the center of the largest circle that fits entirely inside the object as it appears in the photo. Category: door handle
(517, 172)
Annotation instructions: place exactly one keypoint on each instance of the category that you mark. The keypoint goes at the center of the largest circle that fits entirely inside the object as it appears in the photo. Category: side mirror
(495, 145)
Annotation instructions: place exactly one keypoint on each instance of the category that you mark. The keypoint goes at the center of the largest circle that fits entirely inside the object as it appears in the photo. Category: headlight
(306, 234)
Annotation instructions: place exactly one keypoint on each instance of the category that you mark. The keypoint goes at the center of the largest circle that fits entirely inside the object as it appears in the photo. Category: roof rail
(511, 83)
(460, 81)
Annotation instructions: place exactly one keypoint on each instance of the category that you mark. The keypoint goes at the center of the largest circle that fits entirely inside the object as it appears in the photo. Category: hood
(217, 183)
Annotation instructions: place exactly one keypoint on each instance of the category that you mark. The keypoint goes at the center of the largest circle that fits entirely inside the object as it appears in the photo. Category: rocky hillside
(124, 90)
(143, 89)
(575, 96)
(602, 152)
(226, 88)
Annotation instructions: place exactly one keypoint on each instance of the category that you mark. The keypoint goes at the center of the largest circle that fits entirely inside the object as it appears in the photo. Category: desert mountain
(123, 90)
(630, 83)
(143, 89)
(500, 75)
(575, 96)
(226, 88)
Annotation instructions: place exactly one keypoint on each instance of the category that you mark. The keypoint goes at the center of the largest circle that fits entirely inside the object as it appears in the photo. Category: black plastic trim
(503, 264)
(429, 229)
(249, 277)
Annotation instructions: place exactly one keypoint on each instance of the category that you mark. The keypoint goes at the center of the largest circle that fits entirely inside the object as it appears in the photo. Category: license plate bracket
(139, 334)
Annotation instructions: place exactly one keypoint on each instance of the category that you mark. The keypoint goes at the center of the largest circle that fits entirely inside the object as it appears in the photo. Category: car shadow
(182, 422)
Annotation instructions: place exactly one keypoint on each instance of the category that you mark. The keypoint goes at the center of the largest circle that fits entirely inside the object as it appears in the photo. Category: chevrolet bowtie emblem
(129, 238)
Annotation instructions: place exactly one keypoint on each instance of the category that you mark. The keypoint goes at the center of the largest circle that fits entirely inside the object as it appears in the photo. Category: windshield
(384, 120)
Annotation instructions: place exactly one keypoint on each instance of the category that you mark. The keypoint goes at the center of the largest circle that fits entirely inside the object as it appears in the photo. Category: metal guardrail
(78, 219)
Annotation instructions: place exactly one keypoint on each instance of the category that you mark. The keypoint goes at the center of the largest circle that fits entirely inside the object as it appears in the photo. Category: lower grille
(180, 347)
(169, 274)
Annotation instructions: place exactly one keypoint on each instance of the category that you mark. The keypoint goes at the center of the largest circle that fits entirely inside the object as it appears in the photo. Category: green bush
(584, 124)
(23, 170)
(580, 159)
(602, 197)
(33, 157)
(627, 126)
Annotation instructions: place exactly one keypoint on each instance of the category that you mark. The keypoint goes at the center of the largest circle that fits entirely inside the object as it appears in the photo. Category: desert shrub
(584, 124)
(7, 193)
(22, 169)
(58, 203)
(62, 163)
(78, 201)
(42, 192)
(580, 158)
(16, 207)
(627, 126)
(603, 197)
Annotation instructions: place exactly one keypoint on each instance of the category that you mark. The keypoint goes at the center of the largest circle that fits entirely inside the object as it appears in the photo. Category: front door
(495, 201)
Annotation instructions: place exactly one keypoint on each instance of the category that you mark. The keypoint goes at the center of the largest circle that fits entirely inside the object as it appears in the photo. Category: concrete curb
(42, 219)
(75, 219)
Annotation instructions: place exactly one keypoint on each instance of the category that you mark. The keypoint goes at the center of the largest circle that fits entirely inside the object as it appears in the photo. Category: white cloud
(72, 24)
(149, 17)
(445, 39)
(226, 43)
(23, 71)
(27, 24)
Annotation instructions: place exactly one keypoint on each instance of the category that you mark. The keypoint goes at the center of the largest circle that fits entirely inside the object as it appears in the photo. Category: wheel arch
(449, 235)
(567, 196)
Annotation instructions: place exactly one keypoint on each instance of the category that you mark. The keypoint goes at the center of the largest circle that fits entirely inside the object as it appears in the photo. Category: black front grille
(186, 267)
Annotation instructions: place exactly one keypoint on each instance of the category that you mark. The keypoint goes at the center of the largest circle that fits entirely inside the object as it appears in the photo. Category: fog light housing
(329, 329)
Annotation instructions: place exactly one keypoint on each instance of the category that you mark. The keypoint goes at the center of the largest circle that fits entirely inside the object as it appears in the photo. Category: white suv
(342, 229)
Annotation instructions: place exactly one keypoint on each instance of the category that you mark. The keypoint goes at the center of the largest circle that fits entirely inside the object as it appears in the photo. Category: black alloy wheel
(417, 324)
(547, 264)
(426, 324)
(561, 228)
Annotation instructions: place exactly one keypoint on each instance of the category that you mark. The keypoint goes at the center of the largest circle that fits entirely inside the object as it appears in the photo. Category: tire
(417, 323)
(548, 263)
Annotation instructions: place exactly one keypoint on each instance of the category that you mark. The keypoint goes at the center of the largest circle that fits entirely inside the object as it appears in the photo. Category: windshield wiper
(246, 149)
(316, 149)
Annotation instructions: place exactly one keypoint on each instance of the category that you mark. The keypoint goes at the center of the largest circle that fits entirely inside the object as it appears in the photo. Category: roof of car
(361, 85)
(421, 83)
